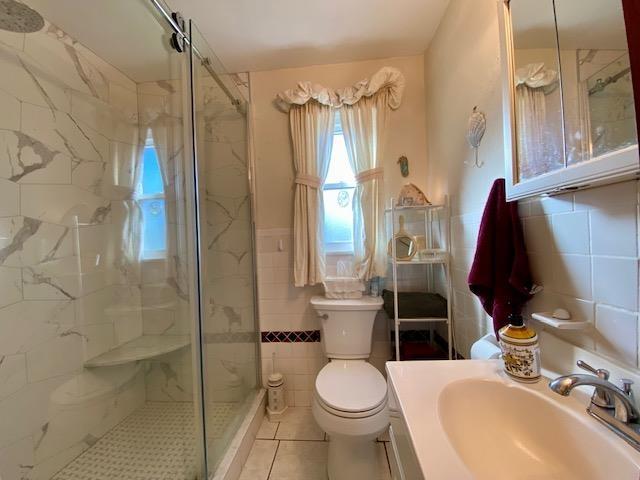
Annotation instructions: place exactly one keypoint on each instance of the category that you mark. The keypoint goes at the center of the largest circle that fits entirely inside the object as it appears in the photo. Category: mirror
(570, 120)
(596, 78)
(406, 244)
(406, 247)
(536, 78)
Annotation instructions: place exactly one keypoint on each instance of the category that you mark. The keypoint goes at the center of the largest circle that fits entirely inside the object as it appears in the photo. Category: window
(337, 195)
(151, 198)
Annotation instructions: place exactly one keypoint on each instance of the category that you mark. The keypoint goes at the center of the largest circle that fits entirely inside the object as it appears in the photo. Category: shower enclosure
(127, 322)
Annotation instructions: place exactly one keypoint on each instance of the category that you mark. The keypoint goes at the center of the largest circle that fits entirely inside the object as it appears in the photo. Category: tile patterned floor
(296, 449)
(156, 442)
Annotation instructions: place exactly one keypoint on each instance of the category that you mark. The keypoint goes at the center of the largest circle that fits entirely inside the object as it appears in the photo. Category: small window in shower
(337, 195)
(150, 195)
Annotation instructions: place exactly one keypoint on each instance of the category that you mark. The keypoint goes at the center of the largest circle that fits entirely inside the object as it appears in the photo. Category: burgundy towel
(500, 274)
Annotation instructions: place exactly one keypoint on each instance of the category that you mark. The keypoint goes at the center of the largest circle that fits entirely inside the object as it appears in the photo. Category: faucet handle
(599, 372)
(626, 388)
(626, 385)
(600, 396)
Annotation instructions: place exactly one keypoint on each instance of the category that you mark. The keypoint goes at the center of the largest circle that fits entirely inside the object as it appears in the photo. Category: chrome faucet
(614, 407)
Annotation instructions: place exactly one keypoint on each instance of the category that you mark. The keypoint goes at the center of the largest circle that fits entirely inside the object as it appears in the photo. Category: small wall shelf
(548, 319)
(141, 348)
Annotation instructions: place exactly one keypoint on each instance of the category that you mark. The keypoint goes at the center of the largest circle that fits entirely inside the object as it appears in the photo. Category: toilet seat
(351, 389)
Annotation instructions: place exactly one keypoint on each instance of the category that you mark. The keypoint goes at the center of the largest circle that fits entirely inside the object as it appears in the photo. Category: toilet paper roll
(486, 348)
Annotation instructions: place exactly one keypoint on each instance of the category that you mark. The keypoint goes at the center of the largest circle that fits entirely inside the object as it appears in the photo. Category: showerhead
(18, 17)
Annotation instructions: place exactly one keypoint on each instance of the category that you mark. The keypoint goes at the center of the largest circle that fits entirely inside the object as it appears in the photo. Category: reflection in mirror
(596, 78)
(406, 246)
(538, 104)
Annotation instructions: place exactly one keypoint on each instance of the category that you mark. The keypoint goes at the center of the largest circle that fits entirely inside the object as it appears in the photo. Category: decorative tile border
(291, 337)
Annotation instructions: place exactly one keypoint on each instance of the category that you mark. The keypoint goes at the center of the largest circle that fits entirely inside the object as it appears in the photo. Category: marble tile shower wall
(67, 119)
(229, 327)
(583, 248)
(283, 307)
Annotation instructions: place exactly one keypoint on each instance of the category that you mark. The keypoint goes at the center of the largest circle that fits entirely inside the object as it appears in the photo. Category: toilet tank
(347, 325)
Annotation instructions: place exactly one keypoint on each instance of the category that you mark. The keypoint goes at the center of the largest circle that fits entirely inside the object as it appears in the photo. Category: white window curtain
(168, 140)
(364, 109)
(160, 117)
(127, 175)
(311, 135)
(364, 125)
(533, 82)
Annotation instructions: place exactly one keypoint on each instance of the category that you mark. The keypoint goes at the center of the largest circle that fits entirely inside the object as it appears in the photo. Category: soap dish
(548, 319)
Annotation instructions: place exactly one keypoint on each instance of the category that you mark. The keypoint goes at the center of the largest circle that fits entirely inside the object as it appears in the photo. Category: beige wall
(462, 70)
(272, 144)
(583, 247)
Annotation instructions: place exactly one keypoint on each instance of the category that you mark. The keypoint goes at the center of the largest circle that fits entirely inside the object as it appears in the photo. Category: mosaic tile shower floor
(156, 442)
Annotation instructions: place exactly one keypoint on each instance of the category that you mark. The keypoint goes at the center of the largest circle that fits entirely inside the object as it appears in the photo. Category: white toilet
(350, 397)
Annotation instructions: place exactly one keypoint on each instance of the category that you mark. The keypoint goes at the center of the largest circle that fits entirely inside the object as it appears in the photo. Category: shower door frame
(184, 40)
(181, 39)
(242, 107)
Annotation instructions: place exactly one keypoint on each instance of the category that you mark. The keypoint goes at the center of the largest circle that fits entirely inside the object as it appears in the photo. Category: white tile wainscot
(283, 307)
(595, 273)
(590, 268)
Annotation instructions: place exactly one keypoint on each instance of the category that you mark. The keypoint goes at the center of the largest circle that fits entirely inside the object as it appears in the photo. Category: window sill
(153, 259)
(339, 254)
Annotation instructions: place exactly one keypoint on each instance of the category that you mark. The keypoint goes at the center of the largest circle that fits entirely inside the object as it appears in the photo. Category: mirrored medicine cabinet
(569, 115)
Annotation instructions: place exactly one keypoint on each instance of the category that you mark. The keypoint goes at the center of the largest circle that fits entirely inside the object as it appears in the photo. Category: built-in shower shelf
(141, 348)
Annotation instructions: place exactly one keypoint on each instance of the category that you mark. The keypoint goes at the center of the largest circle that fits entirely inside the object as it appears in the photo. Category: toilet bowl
(350, 395)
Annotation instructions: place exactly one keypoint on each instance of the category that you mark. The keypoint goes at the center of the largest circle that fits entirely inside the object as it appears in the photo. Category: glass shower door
(99, 338)
(229, 327)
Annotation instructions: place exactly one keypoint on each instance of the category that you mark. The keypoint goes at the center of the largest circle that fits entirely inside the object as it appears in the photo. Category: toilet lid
(351, 386)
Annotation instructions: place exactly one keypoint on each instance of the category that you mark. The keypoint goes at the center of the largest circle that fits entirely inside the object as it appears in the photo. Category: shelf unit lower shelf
(422, 320)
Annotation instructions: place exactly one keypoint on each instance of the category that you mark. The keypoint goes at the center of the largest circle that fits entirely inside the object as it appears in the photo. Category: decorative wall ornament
(404, 166)
(411, 196)
(476, 127)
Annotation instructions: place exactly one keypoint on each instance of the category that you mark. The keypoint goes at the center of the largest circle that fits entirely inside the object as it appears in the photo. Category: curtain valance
(388, 78)
(535, 75)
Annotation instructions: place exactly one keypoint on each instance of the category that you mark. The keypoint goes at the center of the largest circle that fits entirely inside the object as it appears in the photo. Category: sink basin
(506, 431)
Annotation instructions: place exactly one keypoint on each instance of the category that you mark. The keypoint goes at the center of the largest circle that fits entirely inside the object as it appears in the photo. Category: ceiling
(249, 35)
(122, 32)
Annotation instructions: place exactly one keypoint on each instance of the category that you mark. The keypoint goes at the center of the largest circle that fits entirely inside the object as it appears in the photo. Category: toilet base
(352, 458)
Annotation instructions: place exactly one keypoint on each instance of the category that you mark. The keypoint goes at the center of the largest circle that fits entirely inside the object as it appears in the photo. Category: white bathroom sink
(468, 420)
(501, 430)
